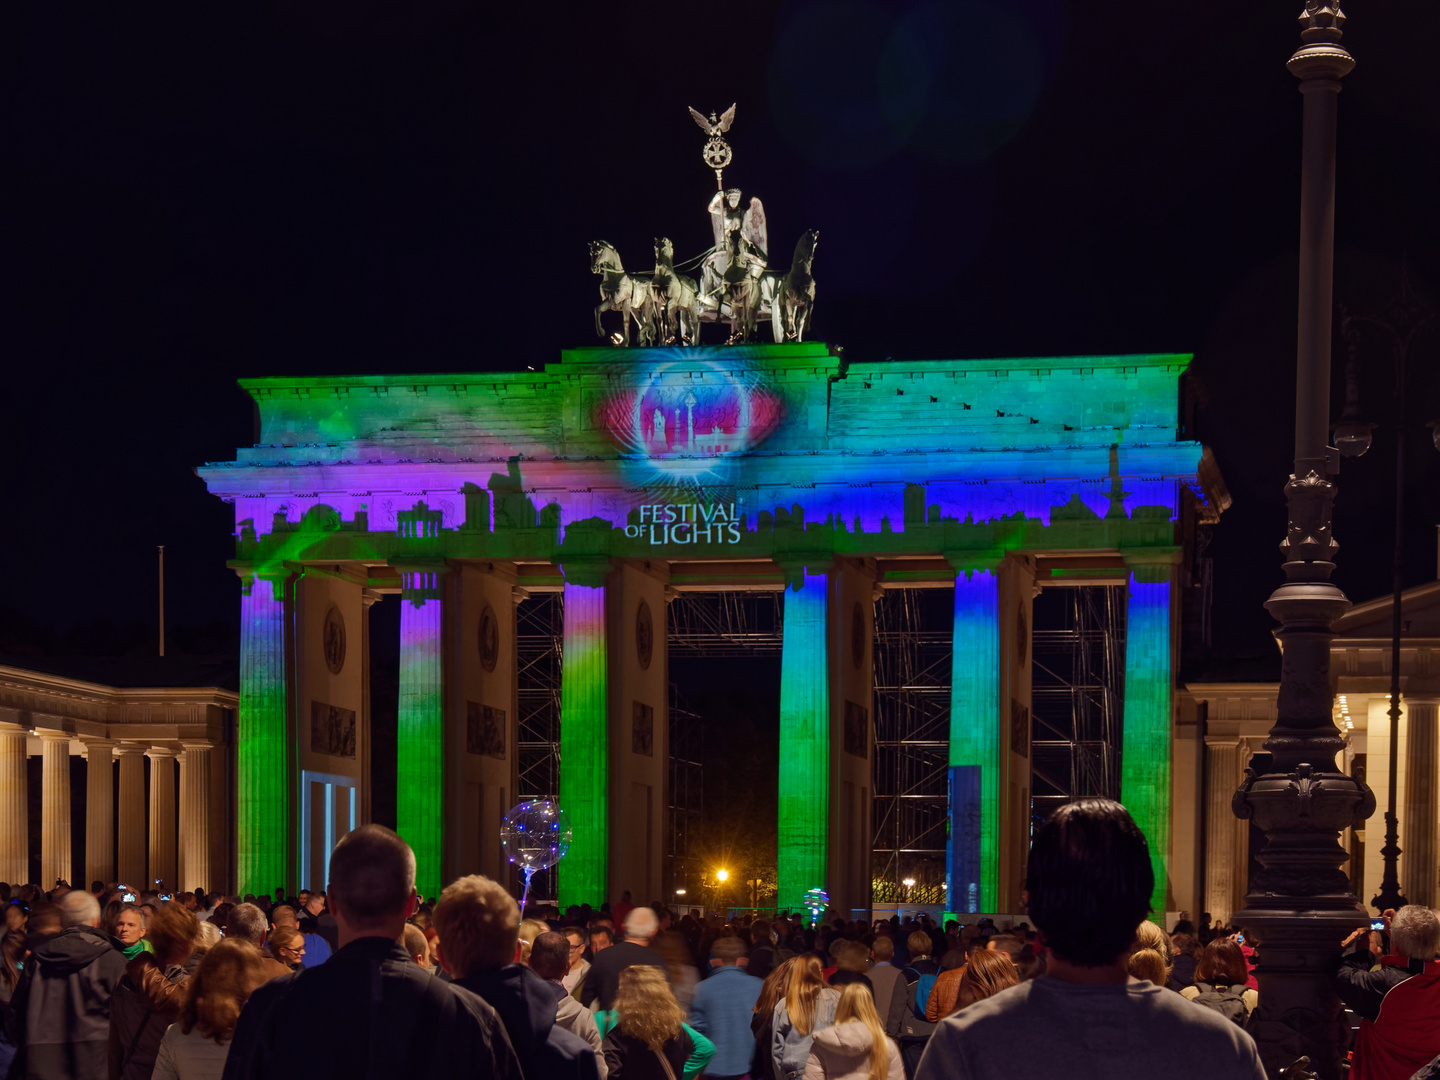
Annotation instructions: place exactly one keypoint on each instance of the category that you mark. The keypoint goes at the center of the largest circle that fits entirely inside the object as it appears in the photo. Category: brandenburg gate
(621, 478)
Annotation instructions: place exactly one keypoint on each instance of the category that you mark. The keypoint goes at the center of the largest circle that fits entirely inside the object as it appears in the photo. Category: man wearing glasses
(578, 964)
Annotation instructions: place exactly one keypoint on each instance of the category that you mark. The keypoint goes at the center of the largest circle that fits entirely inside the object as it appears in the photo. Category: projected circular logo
(489, 638)
(332, 640)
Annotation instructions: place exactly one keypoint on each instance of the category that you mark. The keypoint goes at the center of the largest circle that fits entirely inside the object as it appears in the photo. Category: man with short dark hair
(576, 964)
(549, 958)
(888, 983)
(1089, 882)
(369, 1011)
(478, 925)
(722, 1009)
(59, 1016)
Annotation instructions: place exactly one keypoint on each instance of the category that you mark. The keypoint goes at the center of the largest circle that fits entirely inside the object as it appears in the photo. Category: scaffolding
(1077, 689)
(687, 793)
(912, 740)
(539, 640)
(732, 623)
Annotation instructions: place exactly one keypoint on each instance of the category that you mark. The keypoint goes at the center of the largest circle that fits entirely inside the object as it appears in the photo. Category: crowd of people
(367, 980)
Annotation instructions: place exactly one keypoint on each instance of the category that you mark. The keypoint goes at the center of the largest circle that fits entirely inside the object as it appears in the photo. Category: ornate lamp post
(1408, 316)
(1300, 905)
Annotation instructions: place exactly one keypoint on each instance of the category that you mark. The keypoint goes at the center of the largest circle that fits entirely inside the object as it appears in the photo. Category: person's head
(728, 950)
(372, 877)
(478, 924)
(1222, 964)
(79, 909)
(207, 936)
(416, 945)
(1149, 966)
(288, 946)
(883, 951)
(919, 945)
(732, 197)
(807, 979)
(284, 915)
(16, 914)
(219, 988)
(671, 946)
(601, 937)
(314, 903)
(1089, 881)
(641, 925)
(774, 987)
(128, 925)
(851, 956)
(646, 1006)
(1415, 932)
(530, 929)
(988, 972)
(248, 923)
(1182, 945)
(1009, 944)
(172, 931)
(857, 1003)
(550, 955)
(575, 939)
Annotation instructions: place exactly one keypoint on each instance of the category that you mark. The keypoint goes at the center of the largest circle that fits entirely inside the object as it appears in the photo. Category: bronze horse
(794, 303)
(677, 297)
(619, 291)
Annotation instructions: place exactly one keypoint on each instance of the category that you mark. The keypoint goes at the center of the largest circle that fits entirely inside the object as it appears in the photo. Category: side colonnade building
(622, 479)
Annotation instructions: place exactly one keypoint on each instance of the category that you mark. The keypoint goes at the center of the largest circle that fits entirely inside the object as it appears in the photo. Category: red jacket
(1406, 1035)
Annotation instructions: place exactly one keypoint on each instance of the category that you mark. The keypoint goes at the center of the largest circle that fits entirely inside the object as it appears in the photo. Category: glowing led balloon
(535, 835)
(816, 901)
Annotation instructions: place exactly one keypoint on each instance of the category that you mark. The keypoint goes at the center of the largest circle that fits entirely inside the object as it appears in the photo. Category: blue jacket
(721, 1010)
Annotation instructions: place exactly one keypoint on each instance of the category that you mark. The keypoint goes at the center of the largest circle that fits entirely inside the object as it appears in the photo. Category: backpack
(923, 985)
(1228, 1001)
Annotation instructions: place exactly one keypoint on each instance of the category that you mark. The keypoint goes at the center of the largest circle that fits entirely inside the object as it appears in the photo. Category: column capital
(196, 744)
(1222, 742)
(161, 751)
(518, 595)
(590, 571)
(795, 566)
(104, 749)
(130, 749)
(51, 735)
(968, 562)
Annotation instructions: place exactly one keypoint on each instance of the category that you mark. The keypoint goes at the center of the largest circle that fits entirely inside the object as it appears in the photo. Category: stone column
(99, 810)
(1222, 828)
(1418, 815)
(162, 818)
(804, 780)
(584, 736)
(264, 751)
(420, 765)
(1149, 702)
(972, 855)
(14, 806)
(55, 861)
(195, 817)
(131, 827)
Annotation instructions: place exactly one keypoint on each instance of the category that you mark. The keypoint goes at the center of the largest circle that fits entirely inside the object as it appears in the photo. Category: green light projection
(1145, 749)
(585, 747)
(420, 775)
(973, 871)
(804, 782)
(262, 745)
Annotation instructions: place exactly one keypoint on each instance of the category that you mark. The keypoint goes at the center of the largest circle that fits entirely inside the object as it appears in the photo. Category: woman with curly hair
(196, 1045)
(807, 1007)
(647, 1037)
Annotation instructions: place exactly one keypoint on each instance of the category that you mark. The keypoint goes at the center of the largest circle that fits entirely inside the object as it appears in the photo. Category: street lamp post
(1408, 317)
(1300, 904)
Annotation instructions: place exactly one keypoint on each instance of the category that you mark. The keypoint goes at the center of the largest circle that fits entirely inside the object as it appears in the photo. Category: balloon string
(526, 894)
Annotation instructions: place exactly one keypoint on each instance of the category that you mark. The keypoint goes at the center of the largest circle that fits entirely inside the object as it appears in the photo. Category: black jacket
(138, 1021)
(60, 1014)
(526, 1004)
(603, 978)
(628, 1058)
(368, 1013)
(1363, 989)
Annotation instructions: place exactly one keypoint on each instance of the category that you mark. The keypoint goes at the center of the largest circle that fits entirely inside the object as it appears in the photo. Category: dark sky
(194, 192)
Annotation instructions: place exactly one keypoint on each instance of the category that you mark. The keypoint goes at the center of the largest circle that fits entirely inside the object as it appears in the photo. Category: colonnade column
(264, 752)
(584, 735)
(55, 861)
(1222, 827)
(99, 810)
(1149, 697)
(194, 872)
(14, 805)
(420, 757)
(804, 780)
(1418, 815)
(131, 831)
(162, 819)
(972, 855)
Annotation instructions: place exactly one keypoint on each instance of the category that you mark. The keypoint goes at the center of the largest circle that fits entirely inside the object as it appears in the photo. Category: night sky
(190, 193)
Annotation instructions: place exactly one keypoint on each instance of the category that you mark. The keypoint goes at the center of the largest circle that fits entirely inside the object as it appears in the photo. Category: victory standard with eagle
(736, 285)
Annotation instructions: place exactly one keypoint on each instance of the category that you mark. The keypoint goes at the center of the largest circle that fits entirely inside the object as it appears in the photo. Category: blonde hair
(1150, 937)
(647, 1008)
(856, 1003)
(530, 929)
(1149, 965)
(479, 923)
(772, 990)
(415, 944)
(218, 990)
(807, 979)
(988, 972)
